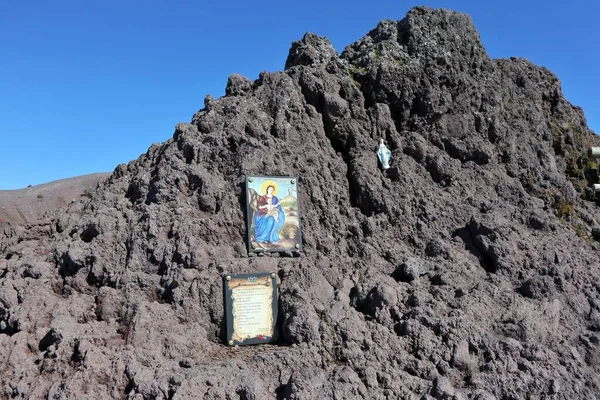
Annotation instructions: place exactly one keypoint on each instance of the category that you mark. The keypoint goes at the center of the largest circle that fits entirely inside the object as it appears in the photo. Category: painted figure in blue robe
(269, 218)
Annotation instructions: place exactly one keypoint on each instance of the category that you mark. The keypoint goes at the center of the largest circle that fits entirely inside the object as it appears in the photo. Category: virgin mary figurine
(384, 155)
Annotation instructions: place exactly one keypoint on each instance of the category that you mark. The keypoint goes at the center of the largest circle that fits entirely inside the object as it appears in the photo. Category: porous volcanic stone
(465, 271)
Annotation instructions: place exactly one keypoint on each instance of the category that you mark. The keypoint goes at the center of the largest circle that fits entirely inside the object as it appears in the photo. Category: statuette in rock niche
(384, 155)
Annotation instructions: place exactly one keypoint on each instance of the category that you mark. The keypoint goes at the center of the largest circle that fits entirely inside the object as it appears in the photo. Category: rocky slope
(465, 271)
(28, 205)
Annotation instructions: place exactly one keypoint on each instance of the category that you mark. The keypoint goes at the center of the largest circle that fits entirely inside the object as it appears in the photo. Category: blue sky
(86, 85)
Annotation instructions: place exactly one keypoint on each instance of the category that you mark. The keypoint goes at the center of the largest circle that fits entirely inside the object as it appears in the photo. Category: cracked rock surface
(467, 270)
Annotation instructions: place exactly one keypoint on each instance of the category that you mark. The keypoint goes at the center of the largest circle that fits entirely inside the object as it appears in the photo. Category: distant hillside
(289, 201)
(23, 206)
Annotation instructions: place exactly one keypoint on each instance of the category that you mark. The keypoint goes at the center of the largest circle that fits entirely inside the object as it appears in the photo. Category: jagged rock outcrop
(466, 270)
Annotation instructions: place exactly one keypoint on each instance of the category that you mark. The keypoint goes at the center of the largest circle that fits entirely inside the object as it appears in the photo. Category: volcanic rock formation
(465, 271)
(27, 206)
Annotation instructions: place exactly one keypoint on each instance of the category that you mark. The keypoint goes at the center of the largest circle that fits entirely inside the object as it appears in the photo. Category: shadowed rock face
(463, 271)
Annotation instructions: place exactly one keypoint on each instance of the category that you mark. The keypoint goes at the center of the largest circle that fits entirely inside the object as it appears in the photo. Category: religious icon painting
(273, 214)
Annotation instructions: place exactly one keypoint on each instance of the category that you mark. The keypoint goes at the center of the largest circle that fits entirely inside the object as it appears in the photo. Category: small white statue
(384, 155)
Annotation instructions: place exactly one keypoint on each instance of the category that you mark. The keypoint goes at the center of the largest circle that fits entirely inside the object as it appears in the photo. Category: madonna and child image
(273, 214)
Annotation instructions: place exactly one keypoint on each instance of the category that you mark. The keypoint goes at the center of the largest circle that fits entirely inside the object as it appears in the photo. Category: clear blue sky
(86, 85)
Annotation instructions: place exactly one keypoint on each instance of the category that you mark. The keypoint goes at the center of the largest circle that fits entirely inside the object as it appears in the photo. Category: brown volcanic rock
(23, 206)
(463, 271)
(25, 214)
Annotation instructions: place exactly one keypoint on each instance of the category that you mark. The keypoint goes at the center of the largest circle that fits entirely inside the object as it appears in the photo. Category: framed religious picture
(273, 214)
(251, 307)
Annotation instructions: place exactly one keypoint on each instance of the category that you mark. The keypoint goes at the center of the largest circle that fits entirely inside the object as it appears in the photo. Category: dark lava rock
(53, 337)
(596, 233)
(538, 287)
(412, 269)
(406, 287)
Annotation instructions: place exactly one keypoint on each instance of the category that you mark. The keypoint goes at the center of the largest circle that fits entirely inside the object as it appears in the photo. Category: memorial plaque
(251, 304)
(273, 214)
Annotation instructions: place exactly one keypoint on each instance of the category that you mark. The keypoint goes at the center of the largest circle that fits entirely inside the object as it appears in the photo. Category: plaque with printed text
(251, 308)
